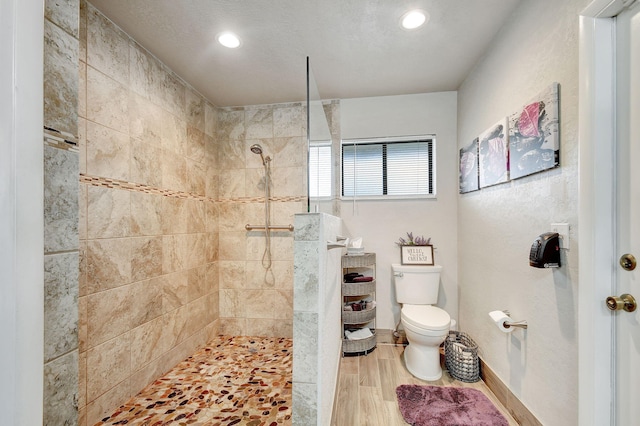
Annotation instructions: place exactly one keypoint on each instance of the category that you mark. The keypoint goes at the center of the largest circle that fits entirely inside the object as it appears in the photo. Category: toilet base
(423, 362)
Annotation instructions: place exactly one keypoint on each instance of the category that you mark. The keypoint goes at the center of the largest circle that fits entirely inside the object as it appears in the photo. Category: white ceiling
(356, 47)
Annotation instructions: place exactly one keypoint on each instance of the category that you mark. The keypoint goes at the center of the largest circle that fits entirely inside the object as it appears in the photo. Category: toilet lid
(426, 316)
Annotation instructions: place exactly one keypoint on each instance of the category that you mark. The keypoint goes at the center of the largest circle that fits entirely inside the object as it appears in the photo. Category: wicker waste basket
(461, 357)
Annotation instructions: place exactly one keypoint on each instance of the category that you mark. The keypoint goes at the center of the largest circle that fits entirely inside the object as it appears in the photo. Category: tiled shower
(165, 183)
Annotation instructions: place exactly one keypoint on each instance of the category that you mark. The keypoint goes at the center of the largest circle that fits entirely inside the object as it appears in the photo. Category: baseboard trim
(511, 403)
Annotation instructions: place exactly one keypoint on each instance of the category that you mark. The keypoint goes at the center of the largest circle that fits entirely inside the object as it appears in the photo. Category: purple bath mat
(447, 406)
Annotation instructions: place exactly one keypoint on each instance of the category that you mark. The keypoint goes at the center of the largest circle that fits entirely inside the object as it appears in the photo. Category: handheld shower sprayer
(257, 149)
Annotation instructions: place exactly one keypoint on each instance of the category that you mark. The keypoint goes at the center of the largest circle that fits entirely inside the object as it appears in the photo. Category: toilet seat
(425, 317)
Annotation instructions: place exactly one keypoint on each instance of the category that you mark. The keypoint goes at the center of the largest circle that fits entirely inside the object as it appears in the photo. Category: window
(320, 176)
(389, 167)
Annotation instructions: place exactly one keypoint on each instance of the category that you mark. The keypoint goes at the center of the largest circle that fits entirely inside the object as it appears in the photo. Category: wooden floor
(366, 386)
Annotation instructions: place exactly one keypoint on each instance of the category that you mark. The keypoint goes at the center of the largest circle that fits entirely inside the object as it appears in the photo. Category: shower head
(257, 149)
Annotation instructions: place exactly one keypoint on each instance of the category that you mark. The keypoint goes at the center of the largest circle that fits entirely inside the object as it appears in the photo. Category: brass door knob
(625, 302)
(628, 262)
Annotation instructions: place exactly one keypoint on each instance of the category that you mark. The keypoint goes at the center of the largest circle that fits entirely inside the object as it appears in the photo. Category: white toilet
(426, 325)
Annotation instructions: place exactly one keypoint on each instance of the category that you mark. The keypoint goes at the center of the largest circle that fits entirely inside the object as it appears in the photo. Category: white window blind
(320, 175)
(394, 167)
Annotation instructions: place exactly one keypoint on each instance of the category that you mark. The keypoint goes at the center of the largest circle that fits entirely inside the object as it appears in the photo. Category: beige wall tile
(82, 324)
(175, 252)
(108, 152)
(107, 101)
(269, 327)
(197, 283)
(172, 92)
(197, 244)
(213, 214)
(210, 119)
(213, 277)
(107, 46)
(288, 181)
(258, 303)
(145, 120)
(82, 28)
(64, 14)
(232, 303)
(232, 217)
(108, 264)
(212, 183)
(258, 122)
(147, 297)
(146, 213)
(146, 258)
(283, 304)
(195, 144)
(82, 379)
(82, 268)
(212, 243)
(174, 326)
(232, 274)
(196, 177)
(194, 108)
(105, 403)
(289, 121)
(232, 154)
(82, 89)
(232, 245)
(232, 326)
(174, 172)
(175, 290)
(289, 152)
(147, 343)
(231, 124)
(145, 159)
(175, 216)
(109, 364)
(145, 73)
(108, 316)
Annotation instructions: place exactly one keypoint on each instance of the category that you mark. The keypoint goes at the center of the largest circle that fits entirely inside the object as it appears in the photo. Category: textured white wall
(381, 223)
(496, 226)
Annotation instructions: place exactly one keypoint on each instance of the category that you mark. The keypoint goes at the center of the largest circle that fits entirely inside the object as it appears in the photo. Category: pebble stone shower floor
(240, 380)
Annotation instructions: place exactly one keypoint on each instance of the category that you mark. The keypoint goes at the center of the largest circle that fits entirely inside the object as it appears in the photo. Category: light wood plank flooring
(366, 393)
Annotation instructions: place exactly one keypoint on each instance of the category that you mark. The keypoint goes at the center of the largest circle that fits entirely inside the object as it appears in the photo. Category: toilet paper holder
(518, 324)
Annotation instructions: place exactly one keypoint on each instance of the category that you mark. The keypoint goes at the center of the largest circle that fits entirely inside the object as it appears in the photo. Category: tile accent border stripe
(61, 140)
(139, 187)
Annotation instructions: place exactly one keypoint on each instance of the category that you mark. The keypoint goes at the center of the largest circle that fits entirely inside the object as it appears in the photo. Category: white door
(627, 324)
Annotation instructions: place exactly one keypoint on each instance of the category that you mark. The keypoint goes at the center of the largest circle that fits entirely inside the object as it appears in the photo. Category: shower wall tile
(60, 200)
(232, 216)
(197, 283)
(82, 89)
(255, 184)
(268, 327)
(194, 108)
(232, 155)
(146, 257)
(60, 304)
(175, 289)
(111, 364)
(175, 252)
(145, 74)
(283, 304)
(82, 30)
(147, 343)
(212, 211)
(259, 303)
(259, 123)
(233, 326)
(305, 344)
(233, 246)
(174, 327)
(82, 326)
(145, 120)
(289, 121)
(107, 101)
(197, 244)
(196, 216)
(307, 227)
(82, 379)
(175, 216)
(232, 303)
(288, 181)
(104, 404)
(231, 125)
(173, 133)
(285, 212)
(305, 272)
(172, 92)
(60, 79)
(289, 151)
(108, 152)
(82, 268)
(212, 244)
(63, 13)
(231, 183)
(107, 46)
(144, 163)
(108, 264)
(196, 144)
(196, 177)
(210, 119)
(146, 214)
(304, 404)
(61, 390)
(108, 212)
(108, 316)
(147, 296)
(232, 274)
(174, 172)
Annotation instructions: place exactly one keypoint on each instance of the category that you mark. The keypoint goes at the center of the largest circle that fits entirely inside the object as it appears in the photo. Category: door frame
(597, 211)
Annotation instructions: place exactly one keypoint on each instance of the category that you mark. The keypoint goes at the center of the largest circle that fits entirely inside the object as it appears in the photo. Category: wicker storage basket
(358, 261)
(358, 317)
(461, 357)
(358, 289)
(362, 345)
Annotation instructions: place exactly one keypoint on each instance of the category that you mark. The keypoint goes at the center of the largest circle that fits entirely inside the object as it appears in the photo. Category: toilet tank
(416, 285)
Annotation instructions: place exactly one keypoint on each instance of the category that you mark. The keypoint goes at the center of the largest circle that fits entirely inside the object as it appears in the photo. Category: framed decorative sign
(416, 255)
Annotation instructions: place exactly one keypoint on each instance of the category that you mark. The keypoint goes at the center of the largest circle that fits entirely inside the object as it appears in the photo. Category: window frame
(323, 143)
(390, 140)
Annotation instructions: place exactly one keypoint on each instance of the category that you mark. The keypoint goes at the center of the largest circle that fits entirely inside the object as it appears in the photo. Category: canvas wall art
(534, 142)
(468, 169)
(494, 155)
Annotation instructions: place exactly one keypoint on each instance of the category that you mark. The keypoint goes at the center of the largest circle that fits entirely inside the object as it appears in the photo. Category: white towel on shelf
(360, 334)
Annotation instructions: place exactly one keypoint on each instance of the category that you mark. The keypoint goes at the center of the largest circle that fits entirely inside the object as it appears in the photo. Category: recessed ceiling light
(228, 39)
(414, 19)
